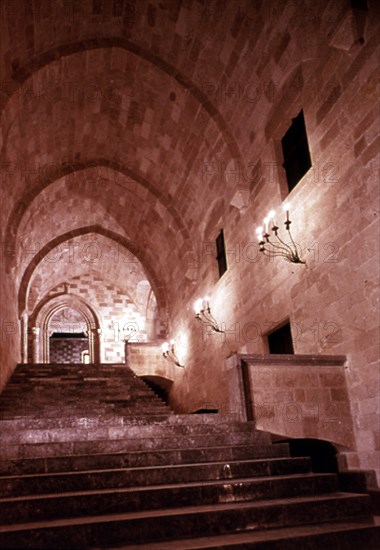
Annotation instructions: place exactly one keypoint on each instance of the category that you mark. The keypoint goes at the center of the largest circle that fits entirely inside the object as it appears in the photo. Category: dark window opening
(68, 335)
(247, 390)
(360, 5)
(296, 153)
(206, 410)
(221, 253)
(280, 340)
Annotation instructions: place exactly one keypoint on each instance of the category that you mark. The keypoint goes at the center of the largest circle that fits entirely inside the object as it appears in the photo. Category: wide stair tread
(340, 534)
(174, 495)
(42, 483)
(103, 531)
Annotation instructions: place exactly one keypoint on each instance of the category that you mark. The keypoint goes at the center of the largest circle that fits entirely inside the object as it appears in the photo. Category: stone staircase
(91, 458)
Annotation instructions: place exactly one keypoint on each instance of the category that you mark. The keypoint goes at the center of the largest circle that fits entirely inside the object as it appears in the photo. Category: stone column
(24, 337)
(91, 346)
(36, 344)
(94, 337)
(126, 358)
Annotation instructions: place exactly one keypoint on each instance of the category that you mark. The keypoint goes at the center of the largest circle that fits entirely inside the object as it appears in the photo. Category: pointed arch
(152, 276)
(40, 320)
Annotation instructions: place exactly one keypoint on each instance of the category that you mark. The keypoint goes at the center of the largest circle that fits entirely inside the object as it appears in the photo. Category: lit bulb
(271, 217)
(165, 347)
(259, 233)
(198, 306)
(286, 209)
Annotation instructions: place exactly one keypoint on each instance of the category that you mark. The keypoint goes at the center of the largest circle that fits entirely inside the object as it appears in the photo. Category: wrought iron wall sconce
(203, 314)
(168, 351)
(289, 251)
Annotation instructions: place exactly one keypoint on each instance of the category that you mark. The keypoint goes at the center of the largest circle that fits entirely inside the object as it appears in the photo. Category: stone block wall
(67, 350)
(186, 142)
(119, 316)
(146, 359)
(332, 302)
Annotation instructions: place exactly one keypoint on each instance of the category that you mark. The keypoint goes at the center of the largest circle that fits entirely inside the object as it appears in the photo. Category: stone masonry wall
(118, 314)
(67, 350)
(158, 126)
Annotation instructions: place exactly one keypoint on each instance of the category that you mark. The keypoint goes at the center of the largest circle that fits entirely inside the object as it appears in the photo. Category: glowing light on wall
(203, 314)
(168, 351)
(289, 251)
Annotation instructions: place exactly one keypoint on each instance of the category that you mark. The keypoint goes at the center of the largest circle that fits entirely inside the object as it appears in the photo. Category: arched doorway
(49, 318)
(68, 337)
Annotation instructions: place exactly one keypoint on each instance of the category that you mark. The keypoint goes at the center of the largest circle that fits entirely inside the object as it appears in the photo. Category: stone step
(112, 418)
(112, 443)
(43, 393)
(85, 407)
(73, 406)
(69, 397)
(33, 386)
(178, 523)
(32, 378)
(131, 432)
(157, 422)
(38, 484)
(114, 427)
(35, 383)
(92, 458)
(28, 367)
(139, 458)
(56, 413)
(359, 533)
(94, 377)
(137, 499)
(170, 419)
(106, 377)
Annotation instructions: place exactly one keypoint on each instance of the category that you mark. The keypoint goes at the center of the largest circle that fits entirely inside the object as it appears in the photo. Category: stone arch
(40, 320)
(64, 169)
(212, 216)
(151, 274)
(21, 74)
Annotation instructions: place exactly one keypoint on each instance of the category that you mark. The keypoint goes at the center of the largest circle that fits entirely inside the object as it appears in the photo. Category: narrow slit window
(280, 340)
(221, 253)
(296, 152)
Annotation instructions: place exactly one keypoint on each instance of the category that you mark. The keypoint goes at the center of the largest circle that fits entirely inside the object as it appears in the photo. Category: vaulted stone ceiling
(90, 253)
(138, 121)
(111, 115)
(107, 122)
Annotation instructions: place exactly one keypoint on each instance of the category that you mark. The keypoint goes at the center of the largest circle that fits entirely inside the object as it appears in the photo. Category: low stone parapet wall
(295, 396)
(145, 359)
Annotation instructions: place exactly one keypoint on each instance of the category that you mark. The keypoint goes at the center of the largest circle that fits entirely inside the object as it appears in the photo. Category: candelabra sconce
(289, 251)
(168, 351)
(203, 314)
